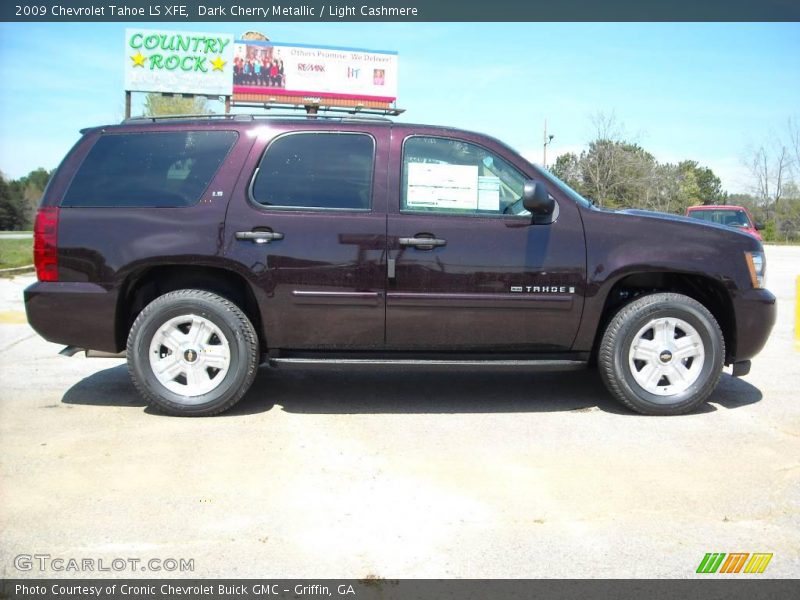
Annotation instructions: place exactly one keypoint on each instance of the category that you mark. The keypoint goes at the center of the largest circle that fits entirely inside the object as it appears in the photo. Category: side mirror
(536, 199)
(759, 225)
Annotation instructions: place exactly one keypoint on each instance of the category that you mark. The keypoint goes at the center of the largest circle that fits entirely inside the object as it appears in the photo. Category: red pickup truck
(732, 216)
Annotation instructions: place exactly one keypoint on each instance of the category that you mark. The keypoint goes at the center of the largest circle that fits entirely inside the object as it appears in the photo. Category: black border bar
(264, 11)
(712, 588)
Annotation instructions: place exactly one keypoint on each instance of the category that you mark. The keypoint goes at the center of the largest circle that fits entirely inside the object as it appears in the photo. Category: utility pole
(546, 139)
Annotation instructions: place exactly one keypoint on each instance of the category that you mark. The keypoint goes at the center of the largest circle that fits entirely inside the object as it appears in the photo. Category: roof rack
(148, 119)
(345, 115)
(317, 107)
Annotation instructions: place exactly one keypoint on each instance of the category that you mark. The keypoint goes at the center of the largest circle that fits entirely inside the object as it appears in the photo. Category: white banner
(178, 62)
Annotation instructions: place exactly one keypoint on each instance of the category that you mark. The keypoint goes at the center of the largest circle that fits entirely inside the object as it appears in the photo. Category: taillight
(45, 244)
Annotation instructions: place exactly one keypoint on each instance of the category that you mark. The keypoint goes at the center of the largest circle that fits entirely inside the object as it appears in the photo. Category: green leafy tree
(14, 213)
(32, 187)
(568, 169)
(769, 234)
(703, 186)
(37, 178)
(158, 105)
(617, 173)
(613, 173)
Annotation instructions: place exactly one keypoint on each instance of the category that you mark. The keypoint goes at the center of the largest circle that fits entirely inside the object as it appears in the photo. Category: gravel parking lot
(398, 474)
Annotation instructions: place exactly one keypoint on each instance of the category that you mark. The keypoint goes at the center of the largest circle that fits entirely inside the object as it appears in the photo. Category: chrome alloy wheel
(189, 355)
(666, 356)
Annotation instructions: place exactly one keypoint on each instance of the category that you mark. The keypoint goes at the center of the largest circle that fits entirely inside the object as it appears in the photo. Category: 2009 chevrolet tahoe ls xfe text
(203, 247)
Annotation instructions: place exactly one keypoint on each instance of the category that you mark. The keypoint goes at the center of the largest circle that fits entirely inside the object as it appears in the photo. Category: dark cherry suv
(202, 247)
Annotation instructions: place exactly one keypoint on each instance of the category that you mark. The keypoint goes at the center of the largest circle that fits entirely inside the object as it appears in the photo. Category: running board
(101, 354)
(73, 350)
(70, 351)
(542, 365)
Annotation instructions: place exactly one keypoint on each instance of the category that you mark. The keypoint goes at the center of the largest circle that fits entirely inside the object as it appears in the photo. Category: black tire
(614, 362)
(236, 329)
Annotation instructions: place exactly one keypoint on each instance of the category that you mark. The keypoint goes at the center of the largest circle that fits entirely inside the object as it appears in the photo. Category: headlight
(757, 266)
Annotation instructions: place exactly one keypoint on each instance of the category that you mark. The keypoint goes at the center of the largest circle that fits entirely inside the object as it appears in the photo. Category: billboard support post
(127, 104)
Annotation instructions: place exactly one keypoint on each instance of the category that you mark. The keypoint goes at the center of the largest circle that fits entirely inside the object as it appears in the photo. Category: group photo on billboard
(261, 67)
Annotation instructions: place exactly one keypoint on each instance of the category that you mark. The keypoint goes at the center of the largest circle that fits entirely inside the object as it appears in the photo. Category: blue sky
(701, 91)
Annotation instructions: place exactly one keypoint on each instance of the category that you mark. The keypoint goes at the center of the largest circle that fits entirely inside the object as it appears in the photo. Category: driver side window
(443, 175)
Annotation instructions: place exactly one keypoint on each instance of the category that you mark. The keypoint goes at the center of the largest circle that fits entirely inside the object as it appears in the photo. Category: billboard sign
(298, 70)
(178, 62)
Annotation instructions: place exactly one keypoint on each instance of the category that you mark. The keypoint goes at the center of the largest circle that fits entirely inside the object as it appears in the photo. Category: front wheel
(662, 354)
(192, 353)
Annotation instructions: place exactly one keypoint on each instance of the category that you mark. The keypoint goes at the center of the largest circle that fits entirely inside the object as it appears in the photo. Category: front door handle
(259, 237)
(422, 243)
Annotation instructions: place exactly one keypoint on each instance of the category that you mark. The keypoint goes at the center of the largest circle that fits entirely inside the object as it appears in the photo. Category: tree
(794, 145)
(665, 191)
(568, 169)
(769, 168)
(14, 214)
(32, 187)
(775, 169)
(751, 203)
(36, 179)
(707, 186)
(600, 164)
(619, 173)
(156, 105)
(616, 173)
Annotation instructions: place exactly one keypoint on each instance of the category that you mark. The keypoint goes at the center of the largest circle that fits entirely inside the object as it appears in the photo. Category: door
(308, 225)
(468, 270)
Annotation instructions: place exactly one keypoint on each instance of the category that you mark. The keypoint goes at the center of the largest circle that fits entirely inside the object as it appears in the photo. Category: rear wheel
(662, 354)
(192, 353)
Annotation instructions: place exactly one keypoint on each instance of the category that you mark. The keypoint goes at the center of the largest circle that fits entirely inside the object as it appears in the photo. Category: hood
(642, 240)
(659, 216)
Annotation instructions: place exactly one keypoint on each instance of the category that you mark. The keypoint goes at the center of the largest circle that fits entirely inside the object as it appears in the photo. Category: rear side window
(317, 170)
(165, 169)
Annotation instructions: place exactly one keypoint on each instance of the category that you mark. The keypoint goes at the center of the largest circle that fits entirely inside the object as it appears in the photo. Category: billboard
(269, 69)
(178, 62)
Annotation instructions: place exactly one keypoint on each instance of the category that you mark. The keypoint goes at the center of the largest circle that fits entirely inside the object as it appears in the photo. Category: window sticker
(489, 193)
(442, 186)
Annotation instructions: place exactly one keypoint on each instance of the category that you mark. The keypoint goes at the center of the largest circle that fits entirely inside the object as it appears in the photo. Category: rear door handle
(259, 237)
(422, 243)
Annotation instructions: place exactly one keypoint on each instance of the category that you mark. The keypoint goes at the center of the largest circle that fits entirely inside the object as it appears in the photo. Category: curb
(17, 270)
(797, 314)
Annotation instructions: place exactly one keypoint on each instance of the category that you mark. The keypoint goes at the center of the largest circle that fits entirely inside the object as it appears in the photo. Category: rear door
(308, 225)
(467, 268)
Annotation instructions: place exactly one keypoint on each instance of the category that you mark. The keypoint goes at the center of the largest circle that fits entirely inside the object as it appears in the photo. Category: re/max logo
(734, 563)
(311, 67)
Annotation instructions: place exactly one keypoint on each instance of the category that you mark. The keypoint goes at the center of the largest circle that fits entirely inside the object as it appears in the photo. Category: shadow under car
(395, 390)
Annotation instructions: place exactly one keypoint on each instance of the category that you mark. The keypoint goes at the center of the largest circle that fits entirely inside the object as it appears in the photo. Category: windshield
(729, 217)
(565, 188)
